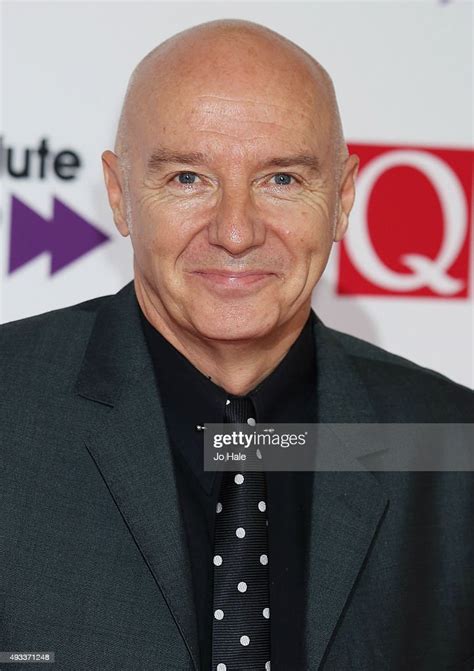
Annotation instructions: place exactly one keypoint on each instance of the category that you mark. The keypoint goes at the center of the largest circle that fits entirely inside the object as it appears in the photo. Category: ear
(113, 184)
(346, 195)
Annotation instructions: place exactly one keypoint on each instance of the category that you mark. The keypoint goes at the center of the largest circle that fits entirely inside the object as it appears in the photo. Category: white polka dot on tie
(218, 614)
(267, 666)
(266, 613)
(262, 506)
(240, 532)
(227, 402)
(223, 667)
(238, 479)
(217, 560)
(264, 559)
(245, 640)
(219, 507)
(242, 586)
(251, 421)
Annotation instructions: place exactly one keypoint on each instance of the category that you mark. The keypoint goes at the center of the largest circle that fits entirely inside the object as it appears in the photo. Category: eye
(282, 179)
(186, 178)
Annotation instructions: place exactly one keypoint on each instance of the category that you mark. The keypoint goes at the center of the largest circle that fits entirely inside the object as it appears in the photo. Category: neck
(237, 366)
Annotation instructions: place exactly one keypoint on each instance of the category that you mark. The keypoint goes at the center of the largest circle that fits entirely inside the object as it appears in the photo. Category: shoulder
(401, 388)
(52, 338)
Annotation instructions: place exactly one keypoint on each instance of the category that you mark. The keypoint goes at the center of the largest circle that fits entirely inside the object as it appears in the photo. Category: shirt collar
(190, 399)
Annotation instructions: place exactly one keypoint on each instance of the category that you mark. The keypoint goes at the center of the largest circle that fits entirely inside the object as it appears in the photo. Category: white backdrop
(403, 75)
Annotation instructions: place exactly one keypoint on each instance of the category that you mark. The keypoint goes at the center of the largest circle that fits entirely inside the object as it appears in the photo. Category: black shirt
(287, 394)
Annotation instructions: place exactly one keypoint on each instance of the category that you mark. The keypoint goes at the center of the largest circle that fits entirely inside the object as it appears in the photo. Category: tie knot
(238, 409)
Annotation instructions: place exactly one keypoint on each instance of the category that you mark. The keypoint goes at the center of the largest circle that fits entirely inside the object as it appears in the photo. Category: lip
(232, 279)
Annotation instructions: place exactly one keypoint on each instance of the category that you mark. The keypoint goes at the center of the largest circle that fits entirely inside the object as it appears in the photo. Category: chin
(233, 325)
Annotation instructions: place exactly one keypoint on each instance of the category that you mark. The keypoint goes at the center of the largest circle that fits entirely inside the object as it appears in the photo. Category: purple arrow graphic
(67, 236)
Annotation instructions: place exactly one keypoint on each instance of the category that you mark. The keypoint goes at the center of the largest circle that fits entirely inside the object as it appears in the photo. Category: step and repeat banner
(403, 276)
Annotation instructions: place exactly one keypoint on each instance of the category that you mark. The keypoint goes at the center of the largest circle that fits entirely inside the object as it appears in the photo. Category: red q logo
(409, 231)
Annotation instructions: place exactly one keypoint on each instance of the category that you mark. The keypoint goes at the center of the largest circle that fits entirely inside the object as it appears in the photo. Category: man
(231, 176)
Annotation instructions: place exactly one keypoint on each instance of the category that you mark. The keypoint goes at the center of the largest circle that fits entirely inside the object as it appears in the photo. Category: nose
(236, 225)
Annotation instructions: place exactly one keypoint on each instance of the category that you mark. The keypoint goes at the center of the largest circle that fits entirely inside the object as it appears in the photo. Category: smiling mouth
(233, 279)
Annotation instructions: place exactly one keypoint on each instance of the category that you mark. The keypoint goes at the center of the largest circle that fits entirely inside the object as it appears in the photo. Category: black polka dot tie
(241, 601)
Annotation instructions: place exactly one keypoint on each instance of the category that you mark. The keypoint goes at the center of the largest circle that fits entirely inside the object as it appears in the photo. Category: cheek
(306, 234)
(162, 230)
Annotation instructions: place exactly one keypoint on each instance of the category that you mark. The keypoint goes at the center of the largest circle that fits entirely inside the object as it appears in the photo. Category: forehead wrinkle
(246, 101)
(238, 117)
(229, 135)
(243, 122)
(230, 107)
(304, 144)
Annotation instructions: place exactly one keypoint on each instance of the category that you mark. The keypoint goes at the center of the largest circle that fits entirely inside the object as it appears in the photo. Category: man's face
(233, 203)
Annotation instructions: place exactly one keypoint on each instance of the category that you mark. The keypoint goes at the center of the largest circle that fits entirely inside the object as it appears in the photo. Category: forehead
(227, 127)
(243, 109)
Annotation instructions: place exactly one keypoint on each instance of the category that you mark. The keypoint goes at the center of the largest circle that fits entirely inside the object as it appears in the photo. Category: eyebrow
(161, 156)
(307, 160)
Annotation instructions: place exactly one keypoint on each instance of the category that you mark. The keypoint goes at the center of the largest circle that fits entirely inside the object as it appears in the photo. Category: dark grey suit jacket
(94, 564)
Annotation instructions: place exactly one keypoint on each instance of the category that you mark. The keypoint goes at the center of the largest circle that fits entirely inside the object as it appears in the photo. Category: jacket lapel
(129, 444)
(347, 506)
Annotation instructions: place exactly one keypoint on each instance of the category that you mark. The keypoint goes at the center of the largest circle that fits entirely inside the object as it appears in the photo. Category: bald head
(223, 59)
